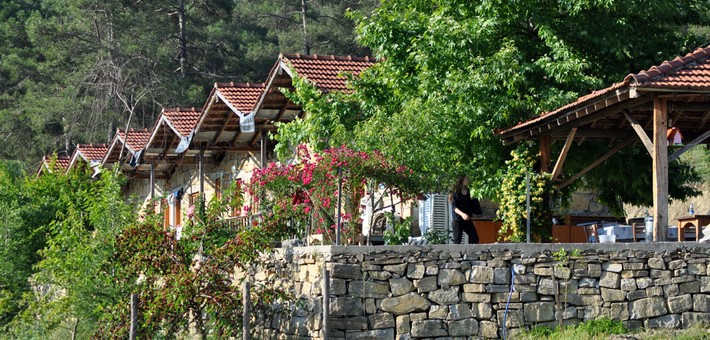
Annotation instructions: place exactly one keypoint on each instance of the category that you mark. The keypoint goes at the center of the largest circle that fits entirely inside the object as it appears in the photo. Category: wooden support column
(264, 139)
(641, 133)
(202, 171)
(545, 142)
(660, 169)
(557, 171)
(152, 181)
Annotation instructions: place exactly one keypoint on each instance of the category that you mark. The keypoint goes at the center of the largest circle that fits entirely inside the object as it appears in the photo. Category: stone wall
(459, 291)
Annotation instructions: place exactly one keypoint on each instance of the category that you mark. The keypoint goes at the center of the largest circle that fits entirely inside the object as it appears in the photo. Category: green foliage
(401, 229)
(592, 329)
(436, 237)
(456, 71)
(65, 283)
(76, 70)
(513, 200)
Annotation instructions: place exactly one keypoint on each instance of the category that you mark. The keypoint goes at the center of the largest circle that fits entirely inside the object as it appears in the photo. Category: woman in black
(463, 207)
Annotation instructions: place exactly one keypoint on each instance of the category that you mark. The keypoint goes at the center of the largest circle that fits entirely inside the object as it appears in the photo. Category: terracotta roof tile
(241, 96)
(689, 72)
(137, 138)
(183, 119)
(61, 164)
(92, 152)
(326, 71)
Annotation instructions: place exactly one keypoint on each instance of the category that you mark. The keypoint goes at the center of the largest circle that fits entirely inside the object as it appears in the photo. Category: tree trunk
(304, 11)
(183, 38)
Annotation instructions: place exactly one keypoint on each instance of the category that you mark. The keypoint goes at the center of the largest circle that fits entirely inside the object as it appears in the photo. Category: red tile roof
(691, 72)
(61, 163)
(241, 96)
(326, 71)
(183, 119)
(92, 152)
(137, 138)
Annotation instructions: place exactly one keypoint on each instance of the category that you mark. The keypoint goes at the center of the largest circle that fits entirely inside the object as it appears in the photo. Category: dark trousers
(460, 227)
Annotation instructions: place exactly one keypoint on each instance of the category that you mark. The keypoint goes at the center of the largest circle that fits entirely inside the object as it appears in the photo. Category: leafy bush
(436, 237)
(603, 326)
(400, 230)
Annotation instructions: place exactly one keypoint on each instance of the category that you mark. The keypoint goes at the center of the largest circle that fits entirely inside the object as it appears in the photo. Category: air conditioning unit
(435, 214)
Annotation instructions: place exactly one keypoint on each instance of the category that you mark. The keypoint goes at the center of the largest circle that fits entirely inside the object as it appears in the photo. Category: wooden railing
(236, 222)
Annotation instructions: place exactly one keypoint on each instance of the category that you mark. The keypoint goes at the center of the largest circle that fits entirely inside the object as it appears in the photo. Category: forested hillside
(74, 70)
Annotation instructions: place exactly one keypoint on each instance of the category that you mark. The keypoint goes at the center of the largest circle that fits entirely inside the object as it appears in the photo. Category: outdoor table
(622, 232)
(697, 220)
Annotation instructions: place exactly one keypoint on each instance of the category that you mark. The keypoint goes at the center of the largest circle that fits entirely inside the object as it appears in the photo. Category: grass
(605, 328)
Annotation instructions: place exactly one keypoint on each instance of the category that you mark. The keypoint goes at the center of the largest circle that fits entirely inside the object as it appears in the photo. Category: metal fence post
(326, 302)
(134, 317)
(246, 332)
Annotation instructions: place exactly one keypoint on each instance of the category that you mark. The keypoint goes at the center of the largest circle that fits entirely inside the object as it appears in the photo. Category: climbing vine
(512, 197)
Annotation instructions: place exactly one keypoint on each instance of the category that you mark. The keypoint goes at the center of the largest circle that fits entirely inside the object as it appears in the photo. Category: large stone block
(415, 270)
(396, 268)
(403, 324)
(648, 308)
(689, 287)
(501, 276)
(427, 284)
(465, 327)
(697, 268)
(381, 320)
(482, 311)
(374, 334)
(628, 285)
(450, 277)
(680, 304)
(514, 318)
(400, 286)
(656, 263)
(488, 329)
(701, 303)
(405, 304)
(546, 287)
(351, 323)
(369, 289)
(345, 271)
(445, 296)
(438, 312)
(690, 318)
(612, 267)
(380, 275)
(619, 311)
(644, 282)
(609, 280)
(705, 284)
(459, 311)
(609, 295)
(475, 297)
(428, 329)
(345, 306)
(480, 274)
(474, 288)
(666, 321)
(539, 311)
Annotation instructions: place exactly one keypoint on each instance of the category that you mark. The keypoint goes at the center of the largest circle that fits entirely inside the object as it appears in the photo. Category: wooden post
(557, 171)
(202, 170)
(326, 302)
(246, 333)
(134, 317)
(152, 181)
(264, 137)
(660, 169)
(544, 154)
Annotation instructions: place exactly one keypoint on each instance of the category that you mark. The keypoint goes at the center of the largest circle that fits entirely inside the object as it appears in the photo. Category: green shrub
(603, 326)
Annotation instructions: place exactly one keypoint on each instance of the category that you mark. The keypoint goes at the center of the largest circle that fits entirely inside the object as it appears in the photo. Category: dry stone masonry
(462, 291)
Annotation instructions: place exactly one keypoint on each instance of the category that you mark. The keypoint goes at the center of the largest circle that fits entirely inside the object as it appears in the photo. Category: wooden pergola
(640, 108)
(127, 146)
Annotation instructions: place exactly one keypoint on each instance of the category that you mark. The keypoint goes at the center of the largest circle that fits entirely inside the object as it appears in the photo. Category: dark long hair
(457, 188)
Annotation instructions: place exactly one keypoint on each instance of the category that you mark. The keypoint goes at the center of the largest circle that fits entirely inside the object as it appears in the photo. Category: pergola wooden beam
(545, 153)
(640, 132)
(557, 170)
(221, 129)
(689, 146)
(596, 163)
(660, 169)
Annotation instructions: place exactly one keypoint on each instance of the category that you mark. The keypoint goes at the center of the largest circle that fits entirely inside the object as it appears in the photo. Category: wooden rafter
(596, 163)
(557, 170)
(660, 169)
(222, 128)
(641, 133)
(689, 146)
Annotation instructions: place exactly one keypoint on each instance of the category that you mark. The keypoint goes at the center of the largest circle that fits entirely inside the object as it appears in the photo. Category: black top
(465, 203)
